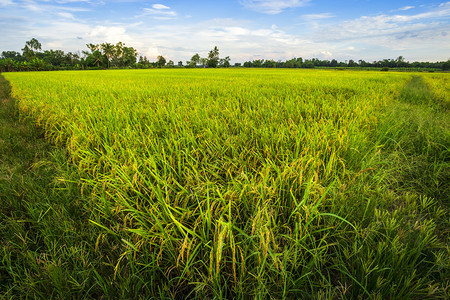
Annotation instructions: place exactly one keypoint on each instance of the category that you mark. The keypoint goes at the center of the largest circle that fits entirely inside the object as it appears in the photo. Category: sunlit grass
(256, 183)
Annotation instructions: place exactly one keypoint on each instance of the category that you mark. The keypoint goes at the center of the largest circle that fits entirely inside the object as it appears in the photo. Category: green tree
(54, 57)
(446, 65)
(271, 64)
(333, 63)
(400, 62)
(92, 47)
(144, 61)
(72, 59)
(8, 65)
(257, 63)
(195, 60)
(351, 63)
(213, 57)
(117, 54)
(96, 58)
(129, 56)
(203, 61)
(83, 63)
(12, 55)
(108, 51)
(31, 48)
(225, 62)
(37, 65)
(308, 64)
(161, 61)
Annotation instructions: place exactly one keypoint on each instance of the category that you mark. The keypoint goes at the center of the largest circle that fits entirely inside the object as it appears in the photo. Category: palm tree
(96, 58)
(108, 50)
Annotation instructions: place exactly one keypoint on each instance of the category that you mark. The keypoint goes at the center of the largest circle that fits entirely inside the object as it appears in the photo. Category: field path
(21, 146)
(23, 174)
(424, 140)
(43, 227)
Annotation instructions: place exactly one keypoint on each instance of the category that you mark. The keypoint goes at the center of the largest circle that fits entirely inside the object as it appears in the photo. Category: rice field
(244, 183)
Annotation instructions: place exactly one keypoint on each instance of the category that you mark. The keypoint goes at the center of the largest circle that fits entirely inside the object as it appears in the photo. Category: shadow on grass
(416, 137)
(46, 242)
(416, 91)
(424, 138)
(405, 232)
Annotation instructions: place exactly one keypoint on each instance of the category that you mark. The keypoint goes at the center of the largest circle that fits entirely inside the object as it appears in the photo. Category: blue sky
(242, 29)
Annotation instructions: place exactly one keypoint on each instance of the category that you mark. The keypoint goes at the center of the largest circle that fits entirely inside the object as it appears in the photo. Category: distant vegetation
(398, 63)
(107, 55)
(99, 56)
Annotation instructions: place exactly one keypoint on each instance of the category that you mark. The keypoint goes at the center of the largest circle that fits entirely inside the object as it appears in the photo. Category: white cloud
(72, 1)
(160, 12)
(66, 15)
(160, 6)
(33, 7)
(314, 17)
(327, 54)
(272, 6)
(418, 36)
(5, 2)
(53, 45)
(109, 33)
(406, 8)
(424, 34)
(39, 7)
(387, 25)
(239, 39)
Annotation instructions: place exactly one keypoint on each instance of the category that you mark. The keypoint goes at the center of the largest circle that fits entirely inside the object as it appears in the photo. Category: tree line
(213, 60)
(385, 64)
(107, 55)
(98, 56)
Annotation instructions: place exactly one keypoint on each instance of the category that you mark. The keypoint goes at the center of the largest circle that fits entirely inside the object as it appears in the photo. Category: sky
(418, 30)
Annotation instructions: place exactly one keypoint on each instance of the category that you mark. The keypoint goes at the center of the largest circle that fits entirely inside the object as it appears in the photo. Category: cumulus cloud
(109, 33)
(272, 6)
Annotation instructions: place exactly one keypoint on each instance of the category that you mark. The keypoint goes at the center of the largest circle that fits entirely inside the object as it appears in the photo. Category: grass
(43, 228)
(225, 184)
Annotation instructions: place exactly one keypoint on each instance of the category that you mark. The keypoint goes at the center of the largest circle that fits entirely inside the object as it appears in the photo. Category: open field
(226, 183)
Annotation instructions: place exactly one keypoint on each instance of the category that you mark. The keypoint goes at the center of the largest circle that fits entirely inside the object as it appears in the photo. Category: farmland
(230, 183)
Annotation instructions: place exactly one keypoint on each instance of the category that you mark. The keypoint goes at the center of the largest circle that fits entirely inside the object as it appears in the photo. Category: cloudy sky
(242, 29)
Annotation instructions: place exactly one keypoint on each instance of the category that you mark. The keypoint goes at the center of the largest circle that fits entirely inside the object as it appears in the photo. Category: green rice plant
(253, 183)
